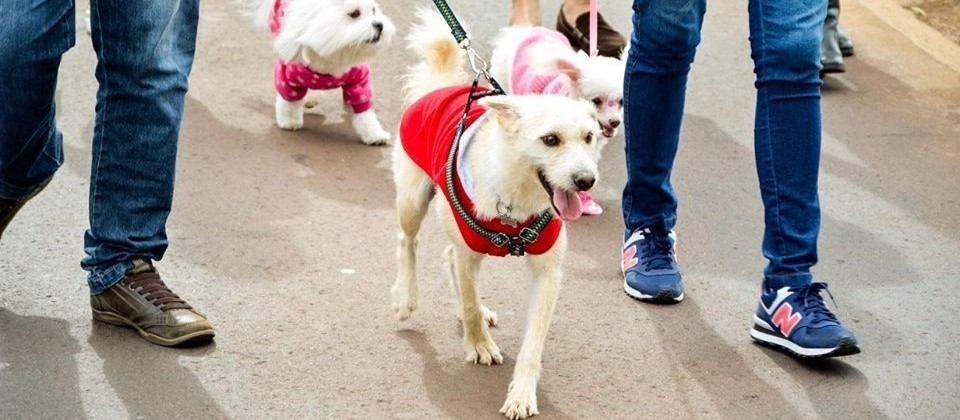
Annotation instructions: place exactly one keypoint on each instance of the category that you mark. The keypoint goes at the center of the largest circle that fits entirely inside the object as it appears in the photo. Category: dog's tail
(441, 62)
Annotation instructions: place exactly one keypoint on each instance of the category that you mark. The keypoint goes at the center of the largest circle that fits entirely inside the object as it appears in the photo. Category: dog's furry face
(558, 141)
(331, 35)
(599, 80)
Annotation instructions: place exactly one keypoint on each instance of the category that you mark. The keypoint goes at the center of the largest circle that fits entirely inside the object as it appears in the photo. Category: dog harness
(427, 131)
(525, 78)
(292, 80)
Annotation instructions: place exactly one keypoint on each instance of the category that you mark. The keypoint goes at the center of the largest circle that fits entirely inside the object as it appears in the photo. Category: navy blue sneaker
(649, 265)
(796, 320)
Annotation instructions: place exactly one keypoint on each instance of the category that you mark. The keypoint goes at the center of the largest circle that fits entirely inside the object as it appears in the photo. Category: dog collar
(528, 235)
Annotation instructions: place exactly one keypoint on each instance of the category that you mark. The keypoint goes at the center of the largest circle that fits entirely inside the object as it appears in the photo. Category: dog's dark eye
(597, 101)
(588, 138)
(354, 14)
(620, 102)
(550, 140)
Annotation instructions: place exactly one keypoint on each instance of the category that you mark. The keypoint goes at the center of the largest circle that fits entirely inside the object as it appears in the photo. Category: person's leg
(525, 13)
(145, 53)
(785, 42)
(35, 35)
(572, 9)
(831, 55)
(663, 44)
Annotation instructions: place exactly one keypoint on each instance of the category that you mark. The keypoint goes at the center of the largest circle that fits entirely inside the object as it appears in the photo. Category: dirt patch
(942, 15)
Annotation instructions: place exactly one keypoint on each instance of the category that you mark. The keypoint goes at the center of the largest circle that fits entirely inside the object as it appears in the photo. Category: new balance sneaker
(649, 266)
(795, 319)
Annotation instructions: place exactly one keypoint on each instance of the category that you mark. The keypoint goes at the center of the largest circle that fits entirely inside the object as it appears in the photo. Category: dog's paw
(376, 139)
(484, 352)
(289, 115)
(290, 125)
(403, 303)
(521, 402)
(369, 129)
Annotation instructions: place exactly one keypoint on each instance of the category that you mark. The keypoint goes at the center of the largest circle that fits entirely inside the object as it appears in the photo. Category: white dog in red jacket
(322, 45)
(520, 162)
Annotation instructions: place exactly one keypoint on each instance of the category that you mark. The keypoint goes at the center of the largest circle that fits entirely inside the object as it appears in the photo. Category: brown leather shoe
(9, 208)
(143, 302)
(609, 42)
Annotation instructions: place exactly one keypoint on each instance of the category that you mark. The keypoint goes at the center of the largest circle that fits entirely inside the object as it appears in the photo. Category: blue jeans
(144, 55)
(785, 43)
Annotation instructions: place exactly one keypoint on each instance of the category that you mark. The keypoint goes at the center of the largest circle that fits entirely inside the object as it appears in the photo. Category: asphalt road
(286, 240)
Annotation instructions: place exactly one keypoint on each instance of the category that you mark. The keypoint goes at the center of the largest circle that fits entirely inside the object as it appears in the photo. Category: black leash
(517, 244)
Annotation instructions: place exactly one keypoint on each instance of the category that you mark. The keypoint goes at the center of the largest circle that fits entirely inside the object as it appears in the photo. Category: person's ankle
(572, 10)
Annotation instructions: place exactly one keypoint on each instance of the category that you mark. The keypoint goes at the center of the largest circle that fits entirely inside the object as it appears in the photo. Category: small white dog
(535, 60)
(522, 158)
(324, 44)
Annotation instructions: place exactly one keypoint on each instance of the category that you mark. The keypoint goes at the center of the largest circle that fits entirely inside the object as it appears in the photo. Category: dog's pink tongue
(568, 203)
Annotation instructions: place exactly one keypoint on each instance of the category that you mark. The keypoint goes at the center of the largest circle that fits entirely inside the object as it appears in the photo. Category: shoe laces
(813, 304)
(657, 250)
(149, 285)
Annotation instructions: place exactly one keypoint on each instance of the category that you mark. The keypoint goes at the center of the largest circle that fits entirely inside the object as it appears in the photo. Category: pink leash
(593, 28)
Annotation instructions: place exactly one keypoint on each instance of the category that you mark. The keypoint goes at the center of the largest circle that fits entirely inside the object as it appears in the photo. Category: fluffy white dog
(324, 44)
(535, 60)
(522, 159)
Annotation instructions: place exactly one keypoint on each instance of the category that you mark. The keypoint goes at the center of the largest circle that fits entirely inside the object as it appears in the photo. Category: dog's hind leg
(522, 395)
(414, 192)
(489, 316)
(480, 347)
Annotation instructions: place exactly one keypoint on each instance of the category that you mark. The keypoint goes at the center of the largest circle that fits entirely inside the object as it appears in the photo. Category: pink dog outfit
(292, 80)
(526, 80)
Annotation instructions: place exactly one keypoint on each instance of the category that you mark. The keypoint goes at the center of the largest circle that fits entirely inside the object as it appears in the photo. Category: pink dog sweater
(292, 80)
(525, 78)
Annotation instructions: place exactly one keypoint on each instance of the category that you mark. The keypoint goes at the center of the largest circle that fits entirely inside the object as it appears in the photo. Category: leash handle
(593, 27)
(455, 28)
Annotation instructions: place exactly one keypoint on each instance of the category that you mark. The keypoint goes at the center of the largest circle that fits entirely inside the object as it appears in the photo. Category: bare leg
(525, 13)
(574, 8)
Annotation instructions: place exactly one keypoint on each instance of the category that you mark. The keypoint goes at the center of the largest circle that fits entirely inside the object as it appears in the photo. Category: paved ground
(268, 224)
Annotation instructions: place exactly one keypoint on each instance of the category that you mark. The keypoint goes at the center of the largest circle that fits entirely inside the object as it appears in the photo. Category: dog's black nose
(378, 26)
(583, 181)
(614, 123)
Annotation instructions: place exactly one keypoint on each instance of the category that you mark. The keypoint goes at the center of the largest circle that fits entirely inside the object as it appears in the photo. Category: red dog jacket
(427, 131)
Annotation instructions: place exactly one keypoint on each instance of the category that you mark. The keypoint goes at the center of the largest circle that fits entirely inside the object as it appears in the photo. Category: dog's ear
(569, 67)
(505, 108)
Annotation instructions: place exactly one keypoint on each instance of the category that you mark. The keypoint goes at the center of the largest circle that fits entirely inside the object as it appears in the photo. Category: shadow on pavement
(38, 372)
(700, 354)
(150, 379)
(468, 391)
(835, 389)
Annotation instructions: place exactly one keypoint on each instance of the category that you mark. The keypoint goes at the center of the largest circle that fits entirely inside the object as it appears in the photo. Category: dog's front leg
(369, 129)
(522, 394)
(289, 114)
(480, 347)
